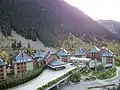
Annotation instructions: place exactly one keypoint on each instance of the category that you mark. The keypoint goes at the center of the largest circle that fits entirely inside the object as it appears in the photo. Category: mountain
(48, 21)
(111, 25)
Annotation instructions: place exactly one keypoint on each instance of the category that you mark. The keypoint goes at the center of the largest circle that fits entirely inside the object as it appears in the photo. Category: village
(58, 60)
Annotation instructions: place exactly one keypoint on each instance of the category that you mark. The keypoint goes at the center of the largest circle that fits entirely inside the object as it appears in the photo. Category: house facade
(108, 58)
(102, 56)
(64, 55)
(3, 70)
(94, 53)
(22, 63)
(53, 61)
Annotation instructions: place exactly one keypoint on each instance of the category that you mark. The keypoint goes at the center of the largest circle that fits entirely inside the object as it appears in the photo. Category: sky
(99, 9)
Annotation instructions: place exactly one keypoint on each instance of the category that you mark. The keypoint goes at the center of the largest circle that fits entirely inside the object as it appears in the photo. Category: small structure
(81, 53)
(108, 58)
(80, 61)
(57, 65)
(3, 70)
(53, 61)
(64, 55)
(22, 63)
(94, 53)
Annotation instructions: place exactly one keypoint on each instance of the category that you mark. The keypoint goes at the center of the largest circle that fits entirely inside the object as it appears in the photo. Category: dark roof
(62, 52)
(81, 51)
(38, 54)
(22, 57)
(57, 63)
(95, 50)
(47, 54)
(108, 53)
(2, 62)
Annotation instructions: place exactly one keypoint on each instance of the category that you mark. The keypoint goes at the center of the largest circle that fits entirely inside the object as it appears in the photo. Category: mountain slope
(112, 26)
(48, 20)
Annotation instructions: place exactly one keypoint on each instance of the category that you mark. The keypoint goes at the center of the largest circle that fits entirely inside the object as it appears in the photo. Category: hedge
(21, 80)
(55, 81)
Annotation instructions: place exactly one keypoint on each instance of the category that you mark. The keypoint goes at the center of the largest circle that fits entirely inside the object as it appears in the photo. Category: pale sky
(99, 9)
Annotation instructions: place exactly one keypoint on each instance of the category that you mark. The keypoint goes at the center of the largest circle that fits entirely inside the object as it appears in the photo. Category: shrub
(20, 80)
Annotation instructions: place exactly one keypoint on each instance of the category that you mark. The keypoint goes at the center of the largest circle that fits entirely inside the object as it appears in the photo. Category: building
(81, 53)
(22, 63)
(53, 61)
(102, 50)
(94, 53)
(64, 55)
(38, 56)
(80, 61)
(57, 65)
(3, 69)
(108, 58)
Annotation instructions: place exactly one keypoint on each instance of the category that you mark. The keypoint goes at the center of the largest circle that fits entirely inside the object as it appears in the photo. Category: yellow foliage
(5, 55)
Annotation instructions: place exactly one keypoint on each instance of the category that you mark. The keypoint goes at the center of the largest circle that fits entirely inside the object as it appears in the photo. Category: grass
(105, 74)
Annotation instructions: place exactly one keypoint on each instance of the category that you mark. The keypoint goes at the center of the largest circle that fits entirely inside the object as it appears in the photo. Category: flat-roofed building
(57, 65)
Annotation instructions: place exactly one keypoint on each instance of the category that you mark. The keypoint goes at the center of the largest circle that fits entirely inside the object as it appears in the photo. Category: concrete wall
(15, 69)
(29, 66)
(5, 73)
(104, 60)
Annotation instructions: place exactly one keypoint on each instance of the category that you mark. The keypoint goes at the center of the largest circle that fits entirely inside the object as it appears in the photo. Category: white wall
(83, 56)
(29, 66)
(4, 71)
(15, 69)
(104, 60)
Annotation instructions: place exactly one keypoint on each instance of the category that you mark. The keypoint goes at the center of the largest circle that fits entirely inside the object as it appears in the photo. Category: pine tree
(19, 45)
(28, 45)
(14, 45)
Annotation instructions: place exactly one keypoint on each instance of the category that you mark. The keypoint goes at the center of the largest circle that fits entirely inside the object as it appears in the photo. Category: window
(2, 74)
(2, 77)
(1, 70)
(18, 68)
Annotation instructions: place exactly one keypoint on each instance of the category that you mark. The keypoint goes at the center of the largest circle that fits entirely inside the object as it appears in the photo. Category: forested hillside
(48, 21)
(113, 26)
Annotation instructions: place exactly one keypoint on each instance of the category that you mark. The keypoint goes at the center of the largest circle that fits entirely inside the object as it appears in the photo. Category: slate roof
(22, 57)
(47, 54)
(57, 63)
(38, 54)
(95, 50)
(107, 53)
(62, 52)
(81, 51)
(2, 62)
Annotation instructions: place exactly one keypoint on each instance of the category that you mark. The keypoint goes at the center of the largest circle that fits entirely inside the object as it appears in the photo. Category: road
(44, 78)
(84, 85)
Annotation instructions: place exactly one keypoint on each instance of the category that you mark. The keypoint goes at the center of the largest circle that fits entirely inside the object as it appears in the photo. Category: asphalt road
(84, 85)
